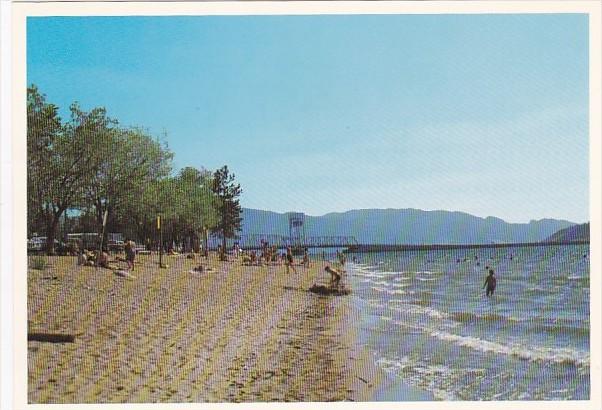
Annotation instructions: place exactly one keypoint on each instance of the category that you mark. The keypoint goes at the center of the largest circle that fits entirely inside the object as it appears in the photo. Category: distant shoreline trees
(91, 165)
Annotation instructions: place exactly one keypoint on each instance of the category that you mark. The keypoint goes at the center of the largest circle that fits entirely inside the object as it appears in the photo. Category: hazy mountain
(406, 226)
(571, 234)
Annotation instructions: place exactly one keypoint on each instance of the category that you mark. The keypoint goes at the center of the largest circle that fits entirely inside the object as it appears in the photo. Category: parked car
(116, 246)
(37, 244)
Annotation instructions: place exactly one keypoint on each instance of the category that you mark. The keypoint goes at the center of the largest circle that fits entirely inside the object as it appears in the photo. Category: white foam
(388, 284)
(389, 291)
(422, 310)
(533, 354)
(400, 285)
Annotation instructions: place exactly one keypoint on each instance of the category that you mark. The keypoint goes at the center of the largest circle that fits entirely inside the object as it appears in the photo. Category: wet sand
(234, 334)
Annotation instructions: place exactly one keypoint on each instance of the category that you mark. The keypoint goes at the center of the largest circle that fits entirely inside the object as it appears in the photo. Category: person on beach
(130, 253)
(103, 260)
(306, 258)
(490, 283)
(342, 258)
(82, 259)
(335, 276)
(290, 262)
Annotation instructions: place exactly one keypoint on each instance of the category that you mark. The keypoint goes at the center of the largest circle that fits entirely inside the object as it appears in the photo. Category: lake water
(426, 320)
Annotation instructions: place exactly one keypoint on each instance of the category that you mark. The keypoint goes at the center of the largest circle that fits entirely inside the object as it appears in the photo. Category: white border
(18, 81)
(6, 211)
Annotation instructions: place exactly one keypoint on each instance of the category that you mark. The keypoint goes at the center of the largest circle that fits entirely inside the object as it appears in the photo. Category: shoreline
(233, 334)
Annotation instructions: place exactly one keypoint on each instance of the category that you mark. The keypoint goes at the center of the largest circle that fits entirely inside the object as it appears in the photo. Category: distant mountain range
(575, 233)
(407, 226)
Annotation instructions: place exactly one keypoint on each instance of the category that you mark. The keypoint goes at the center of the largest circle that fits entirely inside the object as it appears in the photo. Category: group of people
(101, 258)
(270, 255)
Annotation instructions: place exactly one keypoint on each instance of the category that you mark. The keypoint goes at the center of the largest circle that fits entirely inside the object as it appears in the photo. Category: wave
(555, 326)
(426, 272)
(421, 309)
(389, 291)
(466, 317)
(539, 289)
(532, 354)
(426, 279)
(560, 329)
(384, 283)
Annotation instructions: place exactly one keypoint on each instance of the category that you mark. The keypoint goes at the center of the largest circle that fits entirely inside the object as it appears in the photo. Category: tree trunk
(223, 254)
(51, 227)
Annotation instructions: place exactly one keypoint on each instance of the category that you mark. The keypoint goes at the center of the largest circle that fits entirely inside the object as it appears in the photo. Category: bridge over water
(256, 241)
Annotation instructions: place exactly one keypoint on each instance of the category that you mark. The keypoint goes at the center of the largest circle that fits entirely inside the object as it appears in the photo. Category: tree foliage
(92, 165)
(43, 129)
(61, 159)
(228, 207)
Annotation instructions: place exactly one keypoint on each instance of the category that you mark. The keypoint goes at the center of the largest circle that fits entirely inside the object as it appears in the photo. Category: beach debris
(197, 269)
(329, 291)
(51, 337)
(200, 269)
(124, 274)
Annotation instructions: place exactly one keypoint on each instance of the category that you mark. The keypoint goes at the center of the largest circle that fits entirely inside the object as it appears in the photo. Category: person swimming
(491, 283)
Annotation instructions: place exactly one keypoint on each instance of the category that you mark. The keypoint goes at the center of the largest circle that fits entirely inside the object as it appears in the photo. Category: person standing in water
(490, 282)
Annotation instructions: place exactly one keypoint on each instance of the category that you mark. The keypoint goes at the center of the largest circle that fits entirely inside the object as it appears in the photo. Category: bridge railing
(256, 241)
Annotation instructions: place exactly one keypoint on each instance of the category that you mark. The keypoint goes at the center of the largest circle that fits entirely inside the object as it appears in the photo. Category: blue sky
(486, 114)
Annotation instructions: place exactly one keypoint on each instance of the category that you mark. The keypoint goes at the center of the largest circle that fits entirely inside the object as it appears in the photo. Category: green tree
(62, 159)
(43, 128)
(131, 162)
(228, 207)
(196, 204)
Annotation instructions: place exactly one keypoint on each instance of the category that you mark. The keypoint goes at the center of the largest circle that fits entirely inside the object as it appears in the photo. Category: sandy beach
(233, 334)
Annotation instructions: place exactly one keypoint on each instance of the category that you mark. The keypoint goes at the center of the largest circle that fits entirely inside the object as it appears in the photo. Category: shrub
(39, 262)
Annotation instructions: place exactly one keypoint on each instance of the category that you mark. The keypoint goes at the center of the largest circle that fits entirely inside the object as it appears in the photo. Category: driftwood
(51, 337)
(328, 291)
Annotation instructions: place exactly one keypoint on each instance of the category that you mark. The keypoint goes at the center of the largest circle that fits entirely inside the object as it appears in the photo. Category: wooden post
(160, 241)
(102, 235)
